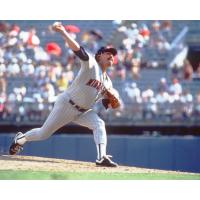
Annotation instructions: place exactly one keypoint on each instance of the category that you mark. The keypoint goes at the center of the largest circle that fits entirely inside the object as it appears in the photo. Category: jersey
(90, 84)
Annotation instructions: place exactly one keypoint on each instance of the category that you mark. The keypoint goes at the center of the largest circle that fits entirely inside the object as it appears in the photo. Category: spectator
(21, 55)
(187, 102)
(162, 85)
(41, 79)
(133, 93)
(162, 97)
(62, 83)
(27, 68)
(40, 70)
(166, 27)
(13, 68)
(175, 87)
(163, 107)
(40, 54)
(58, 69)
(48, 92)
(186, 97)
(173, 97)
(2, 66)
(197, 107)
(149, 104)
(70, 76)
(14, 30)
(29, 38)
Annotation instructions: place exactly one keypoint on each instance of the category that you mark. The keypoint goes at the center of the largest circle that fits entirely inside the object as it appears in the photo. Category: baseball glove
(110, 101)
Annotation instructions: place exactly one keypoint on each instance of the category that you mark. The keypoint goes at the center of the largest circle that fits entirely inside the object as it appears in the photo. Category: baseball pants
(63, 113)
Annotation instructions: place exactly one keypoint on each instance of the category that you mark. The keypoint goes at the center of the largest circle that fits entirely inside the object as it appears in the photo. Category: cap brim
(111, 50)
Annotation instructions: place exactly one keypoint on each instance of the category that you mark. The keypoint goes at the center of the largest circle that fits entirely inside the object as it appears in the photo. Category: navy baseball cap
(111, 50)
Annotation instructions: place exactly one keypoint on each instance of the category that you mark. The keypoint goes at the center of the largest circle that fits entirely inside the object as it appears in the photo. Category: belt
(77, 107)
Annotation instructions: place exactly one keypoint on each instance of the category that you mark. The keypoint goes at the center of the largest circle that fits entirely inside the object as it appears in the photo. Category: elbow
(75, 48)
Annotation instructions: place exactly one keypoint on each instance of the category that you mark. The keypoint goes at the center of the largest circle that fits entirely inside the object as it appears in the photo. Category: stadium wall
(166, 152)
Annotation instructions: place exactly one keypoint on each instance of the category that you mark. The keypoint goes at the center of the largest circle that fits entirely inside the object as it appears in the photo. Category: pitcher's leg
(91, 120)
(62, 114)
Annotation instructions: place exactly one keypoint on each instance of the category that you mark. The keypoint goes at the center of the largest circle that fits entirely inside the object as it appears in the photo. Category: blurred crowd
(143, 45)
(33, 73)
(168, 103)
(151, 44)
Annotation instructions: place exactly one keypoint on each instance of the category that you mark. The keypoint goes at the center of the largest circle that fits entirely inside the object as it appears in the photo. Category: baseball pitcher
(74, 105)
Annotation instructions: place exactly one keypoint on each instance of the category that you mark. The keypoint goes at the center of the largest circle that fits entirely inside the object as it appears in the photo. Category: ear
(97, 58)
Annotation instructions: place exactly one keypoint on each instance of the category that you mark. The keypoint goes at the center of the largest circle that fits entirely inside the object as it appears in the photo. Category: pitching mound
(59, 165)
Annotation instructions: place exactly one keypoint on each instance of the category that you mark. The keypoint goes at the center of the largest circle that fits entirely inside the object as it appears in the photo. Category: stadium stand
(146, 58)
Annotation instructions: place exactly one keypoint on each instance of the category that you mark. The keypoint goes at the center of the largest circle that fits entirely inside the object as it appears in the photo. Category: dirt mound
(51, 164)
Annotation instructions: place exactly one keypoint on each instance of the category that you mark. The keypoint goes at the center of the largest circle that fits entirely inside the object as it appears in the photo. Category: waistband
(77, 107)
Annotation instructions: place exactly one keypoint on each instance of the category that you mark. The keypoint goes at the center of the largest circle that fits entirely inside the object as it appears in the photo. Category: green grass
(40, 175)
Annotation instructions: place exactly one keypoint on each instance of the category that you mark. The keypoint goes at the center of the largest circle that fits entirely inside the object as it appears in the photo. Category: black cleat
(105, 161)
(15, 147)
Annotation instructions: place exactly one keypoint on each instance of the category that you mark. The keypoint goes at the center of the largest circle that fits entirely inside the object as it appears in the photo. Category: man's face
(106, 59)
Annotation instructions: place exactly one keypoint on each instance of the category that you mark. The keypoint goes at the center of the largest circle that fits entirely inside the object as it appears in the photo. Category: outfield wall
(170, 153)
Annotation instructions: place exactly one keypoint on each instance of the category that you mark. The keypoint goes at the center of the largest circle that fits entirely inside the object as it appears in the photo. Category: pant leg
(63, 113)
(91, 120)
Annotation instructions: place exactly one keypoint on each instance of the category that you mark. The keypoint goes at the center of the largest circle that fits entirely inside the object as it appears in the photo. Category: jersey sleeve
(82, 54)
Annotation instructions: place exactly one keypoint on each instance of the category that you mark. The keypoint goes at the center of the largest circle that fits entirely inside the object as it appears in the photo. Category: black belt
(77, 107)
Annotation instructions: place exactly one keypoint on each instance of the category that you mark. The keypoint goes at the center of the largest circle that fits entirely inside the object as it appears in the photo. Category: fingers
(57, 26)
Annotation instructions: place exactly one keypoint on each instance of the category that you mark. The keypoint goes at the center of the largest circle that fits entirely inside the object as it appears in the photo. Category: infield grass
(43, 175)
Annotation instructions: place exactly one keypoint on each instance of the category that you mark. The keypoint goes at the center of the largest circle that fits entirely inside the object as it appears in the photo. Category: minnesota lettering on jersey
(97, 85)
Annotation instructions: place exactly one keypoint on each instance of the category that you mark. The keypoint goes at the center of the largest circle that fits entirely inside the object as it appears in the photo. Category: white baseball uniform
(75, 104)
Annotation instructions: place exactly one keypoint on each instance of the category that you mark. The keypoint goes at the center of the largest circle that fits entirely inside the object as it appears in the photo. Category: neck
(103, 68)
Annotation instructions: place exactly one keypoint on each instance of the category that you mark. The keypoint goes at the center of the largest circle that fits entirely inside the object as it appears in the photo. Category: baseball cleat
(105, 161)
(15, 147)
